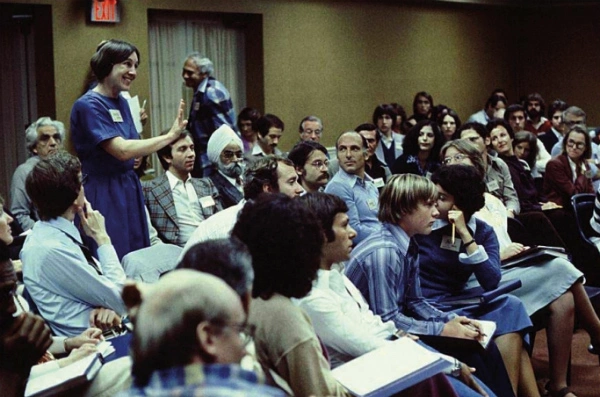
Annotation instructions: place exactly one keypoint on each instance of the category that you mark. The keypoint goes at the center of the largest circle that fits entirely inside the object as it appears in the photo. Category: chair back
(583, 206)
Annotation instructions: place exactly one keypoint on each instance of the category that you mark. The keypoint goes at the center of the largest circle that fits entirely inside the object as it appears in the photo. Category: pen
(453, 233)
(144, 104)
(474, 328)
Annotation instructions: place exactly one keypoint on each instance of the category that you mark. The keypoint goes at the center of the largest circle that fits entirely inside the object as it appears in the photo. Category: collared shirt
(474, 258)
(20, 203)
(64, 286)
(385, 269)
(187, 206)
(217, 226)
(499, 183)
(214, 380)
(342, 318)
(235, 182)
(257, 151)
(361, 197)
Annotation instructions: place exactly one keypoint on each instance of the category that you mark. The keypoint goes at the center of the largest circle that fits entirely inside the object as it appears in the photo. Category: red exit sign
(105, 11)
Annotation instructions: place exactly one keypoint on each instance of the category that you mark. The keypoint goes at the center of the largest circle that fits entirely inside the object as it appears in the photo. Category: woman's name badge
(447, 244)
(115, 114)
(378, 182)
(492, 185)
(207, 201)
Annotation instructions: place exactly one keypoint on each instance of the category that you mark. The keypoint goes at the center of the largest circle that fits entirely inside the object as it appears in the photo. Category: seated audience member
(247, 128)
(71, 289)
(140, 164)
(285, 238)
(493, 105)
(515, 116)
(373, 167)
(525, 149)
(536, 212)
(311, 129)
(445, 269)
(353, 185)
(552, 288)
(224, 151)
(536, 123)
(178, 203)
(270, 129)
(497, 175)
(401, 118)
(448, 121)
(24, 339)
(422, 107)
(555, 133)
(340, 315)
(269, 174)
(190, 335)
(390, 144)
(311, 163)
(43, 138)
(385, 269)
(421, 150)
(571, 117)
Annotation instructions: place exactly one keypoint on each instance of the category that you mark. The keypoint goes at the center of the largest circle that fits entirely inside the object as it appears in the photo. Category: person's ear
(267, 188)
(206, 338)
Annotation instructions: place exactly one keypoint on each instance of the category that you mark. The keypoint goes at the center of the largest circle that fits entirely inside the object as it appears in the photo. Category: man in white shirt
(178, 203)
(270, 129)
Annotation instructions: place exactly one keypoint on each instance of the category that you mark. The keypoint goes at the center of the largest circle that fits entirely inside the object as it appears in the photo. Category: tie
(87, 253)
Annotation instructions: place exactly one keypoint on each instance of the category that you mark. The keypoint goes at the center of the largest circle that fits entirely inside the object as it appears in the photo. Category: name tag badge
(196, 106)
(115, 114)
(447, 244)
(428, 175)
(372, 204)
(492, 185)
(398, 146)
(379, 182)
(207, 201)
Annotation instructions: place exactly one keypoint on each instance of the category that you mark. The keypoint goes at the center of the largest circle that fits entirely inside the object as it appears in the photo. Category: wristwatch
(456, 368)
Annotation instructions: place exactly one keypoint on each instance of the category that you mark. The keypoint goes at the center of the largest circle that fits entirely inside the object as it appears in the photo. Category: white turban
(222, 137)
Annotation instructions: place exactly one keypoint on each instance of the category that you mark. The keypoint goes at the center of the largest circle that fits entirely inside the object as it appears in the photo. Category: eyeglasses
(245, 331)
(457, 158)
(46, 138)
(320, 164)
(228, 154)
(308, 131)
(571, 123)
(577, 145)
(84, 178)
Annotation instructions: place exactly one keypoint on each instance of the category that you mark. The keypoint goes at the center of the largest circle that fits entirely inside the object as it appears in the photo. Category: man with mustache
(270, 129)
(311, 163)
(226, 154)
(536, 122)
(178, 203)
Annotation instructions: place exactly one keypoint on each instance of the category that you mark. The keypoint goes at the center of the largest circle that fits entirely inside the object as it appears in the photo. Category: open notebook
(389, 369)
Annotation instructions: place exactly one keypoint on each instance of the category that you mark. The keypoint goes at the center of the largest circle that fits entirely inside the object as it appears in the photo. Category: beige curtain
(170, 40)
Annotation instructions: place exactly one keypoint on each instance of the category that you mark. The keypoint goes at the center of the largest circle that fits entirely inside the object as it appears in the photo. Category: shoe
(561, 393)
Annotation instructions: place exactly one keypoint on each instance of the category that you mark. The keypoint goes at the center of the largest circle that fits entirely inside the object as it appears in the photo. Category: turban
(222, 137)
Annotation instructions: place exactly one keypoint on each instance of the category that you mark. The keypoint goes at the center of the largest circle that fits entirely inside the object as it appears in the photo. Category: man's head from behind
(55, 184)
(44, 137)
(311, 129)
(228, 259)
(187, 317)
(311, 162)
(285, 239)
(224, 150)
(270, 128)
(271, 174)
(179, 155)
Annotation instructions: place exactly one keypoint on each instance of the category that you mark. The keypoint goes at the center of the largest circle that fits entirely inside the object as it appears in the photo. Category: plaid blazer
(159, 201)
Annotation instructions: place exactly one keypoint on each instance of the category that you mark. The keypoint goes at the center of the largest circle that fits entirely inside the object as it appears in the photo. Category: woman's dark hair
(416, 99)
(382, 109)
(109, 54)
(248, 114)
(466, 185)
(411, 141)
(448, 112)
(285, 240)
(526, 136)
(475, 126)
(326, 207)
(494, 123)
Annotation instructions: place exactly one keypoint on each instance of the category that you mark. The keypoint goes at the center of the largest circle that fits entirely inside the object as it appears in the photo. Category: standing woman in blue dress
(106, 141)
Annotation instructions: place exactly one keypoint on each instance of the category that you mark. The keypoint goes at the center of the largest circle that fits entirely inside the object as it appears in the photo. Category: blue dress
(444, 272)
(113, 188)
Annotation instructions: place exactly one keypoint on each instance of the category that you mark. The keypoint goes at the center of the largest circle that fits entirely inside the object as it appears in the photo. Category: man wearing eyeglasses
(178, 203)
(225, 153)
(42, 138)
(191, 334)
(311, 163)
(311, 129)
(572, 116)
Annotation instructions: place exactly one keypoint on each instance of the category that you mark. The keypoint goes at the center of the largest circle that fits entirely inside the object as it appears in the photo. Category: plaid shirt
(214, 380)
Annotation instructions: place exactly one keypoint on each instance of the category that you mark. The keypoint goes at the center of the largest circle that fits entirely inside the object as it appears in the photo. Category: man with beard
(311, 163)
(536, 122)
(178, 203)
(225, 153)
